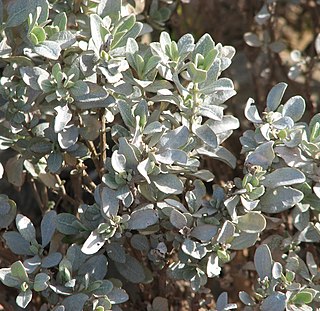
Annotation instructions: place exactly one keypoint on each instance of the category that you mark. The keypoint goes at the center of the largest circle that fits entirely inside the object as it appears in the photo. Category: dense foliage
(111, 133)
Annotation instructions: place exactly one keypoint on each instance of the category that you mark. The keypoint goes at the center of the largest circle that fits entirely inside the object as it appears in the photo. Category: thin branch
(92, 148)
(36, 195)
(86, 188)
(64, 194)
(103, 141)
(44, 196)
(72, 201)
(88, 180)
(76, 181)
(86, 177)
(95, 156)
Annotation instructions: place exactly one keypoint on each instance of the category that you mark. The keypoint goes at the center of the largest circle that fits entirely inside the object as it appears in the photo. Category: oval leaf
(48, 227)
(252, 222)
(168, 183)
(143, 218)
(294, 108)
(25, 227)
(263, 261)
(275, 96)
(132, 270)
(285, 176)
(177, 219)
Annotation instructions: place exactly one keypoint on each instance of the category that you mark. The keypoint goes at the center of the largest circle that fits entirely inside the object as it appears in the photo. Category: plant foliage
(130, 124)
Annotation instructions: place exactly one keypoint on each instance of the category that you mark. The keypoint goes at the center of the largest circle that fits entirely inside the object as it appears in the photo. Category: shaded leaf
(140, 242)
(97, 97)
(252, 39)
(24, 298)
(116, 252)
(142, 218)
(95, 267)
(252, 222)
(294, 108)
(105, 288)
(126, 113)
(19, 271)
(132, 270)
(276, 301)
(168, 183)
(263, 155)
(275, 96)
(66, 223)
(310, 234)
(226, 233)
(109, 202)
(193, 249)
(48, 49)
(207, 135)
(118, 295)
(64, 38)
(285, 176)
(8, 279)
(263, 261)
(172, 156)
(8, 210)
(40, 282)
(33, 76)
(51, 260)
(244, 240)
(277, 46)
(48, 227)
(246, 299)
(18, 12)
(75, 302)
(280, 199)
(14, 171)
(68, 136)
(204, 232)
(175, 139)
(17, 244)
(25, 227)
(33, 263)
(54, 162)
(177, 219)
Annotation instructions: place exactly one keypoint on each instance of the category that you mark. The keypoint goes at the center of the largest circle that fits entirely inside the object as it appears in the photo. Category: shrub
(113, 132)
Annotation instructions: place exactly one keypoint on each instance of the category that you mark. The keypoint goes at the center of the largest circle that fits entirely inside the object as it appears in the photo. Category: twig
(95, 156)
(88, 180)
(66, 196)
(69, 199)
(45, 197)
(92, 148)
(86, 177)
(103, 141)
(86, 188)
(76, 181)
(162, 282)
(36, 195)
